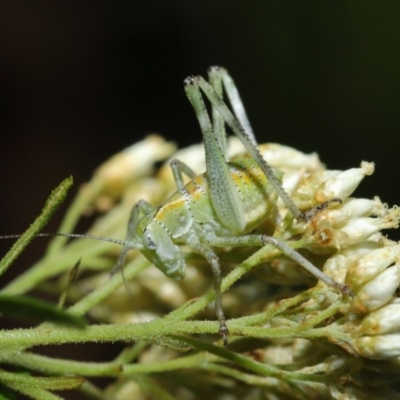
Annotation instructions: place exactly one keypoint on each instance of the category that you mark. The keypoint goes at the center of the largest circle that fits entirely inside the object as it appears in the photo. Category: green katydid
(219, 208)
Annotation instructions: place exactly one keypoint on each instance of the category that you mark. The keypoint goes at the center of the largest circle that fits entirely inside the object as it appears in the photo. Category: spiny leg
(212, 258)
(259, 241)
(223, 192)
(262, 240)
(178, 169)
(297, 257)
(218, 122)
(193, 87)
(217, 74)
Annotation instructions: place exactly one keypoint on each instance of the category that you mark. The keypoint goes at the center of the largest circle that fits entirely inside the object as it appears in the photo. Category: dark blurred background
(82, 80)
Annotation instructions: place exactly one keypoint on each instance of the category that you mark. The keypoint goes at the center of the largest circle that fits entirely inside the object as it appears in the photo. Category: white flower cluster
(345, 240)
(364, 259)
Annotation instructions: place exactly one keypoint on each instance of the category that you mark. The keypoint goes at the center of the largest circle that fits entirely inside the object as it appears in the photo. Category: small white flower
(321, 233)
(343, 184)
(360, 229)
(350, 208)
(378, 347)
(303, 196)
(286, 158)
(355, 208)
(382, 321)
(337, 266)
(370, 265)
(377, 292)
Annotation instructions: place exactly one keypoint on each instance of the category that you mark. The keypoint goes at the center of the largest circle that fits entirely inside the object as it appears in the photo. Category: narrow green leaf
(29, 307)
(56, 197)
(38, 387)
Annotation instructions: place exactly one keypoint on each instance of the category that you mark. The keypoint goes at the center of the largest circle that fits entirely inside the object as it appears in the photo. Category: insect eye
(149, 241)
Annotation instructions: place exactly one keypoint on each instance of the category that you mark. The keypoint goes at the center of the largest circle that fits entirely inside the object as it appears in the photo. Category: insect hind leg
(218, 77)
(262, 240)
(195, 87)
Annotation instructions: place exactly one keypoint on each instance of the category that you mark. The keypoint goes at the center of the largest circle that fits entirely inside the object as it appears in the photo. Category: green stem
(32, 392)
(48, 365)
(322, 316)
(147, 331)
(152, 331)
(91, 391)
(250, 364)
(278, 308)
(152, 389)
(193, 361)
(241, 376)
(129, 354)
(52, 383)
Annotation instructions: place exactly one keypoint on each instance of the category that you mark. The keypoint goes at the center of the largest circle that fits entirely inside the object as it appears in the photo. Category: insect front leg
(142, 207)
(178, 169)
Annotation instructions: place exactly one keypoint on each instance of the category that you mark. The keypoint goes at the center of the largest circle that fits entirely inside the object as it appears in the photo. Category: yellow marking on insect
(197, 187)
(174, 206)
(241, 178)
(175, 215)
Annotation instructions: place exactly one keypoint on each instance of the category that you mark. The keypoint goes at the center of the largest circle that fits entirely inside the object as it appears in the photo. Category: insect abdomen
(257, 195)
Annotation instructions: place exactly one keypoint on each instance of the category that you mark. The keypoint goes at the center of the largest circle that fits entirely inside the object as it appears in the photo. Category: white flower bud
(337, 265)
(367, 267)
(377, 292)
(382, 321)
(356, 208)
(360, 229)
(321, 236)
(304, 194)
(286, 158)
(131, 163)
(378, 347)
(343, 184)
(351, 208)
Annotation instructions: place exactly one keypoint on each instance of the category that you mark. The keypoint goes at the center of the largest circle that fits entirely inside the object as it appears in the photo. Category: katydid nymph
(219, 208)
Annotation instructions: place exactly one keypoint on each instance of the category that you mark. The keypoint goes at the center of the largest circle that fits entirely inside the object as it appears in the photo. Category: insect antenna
(124, 243)
(127, 245)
